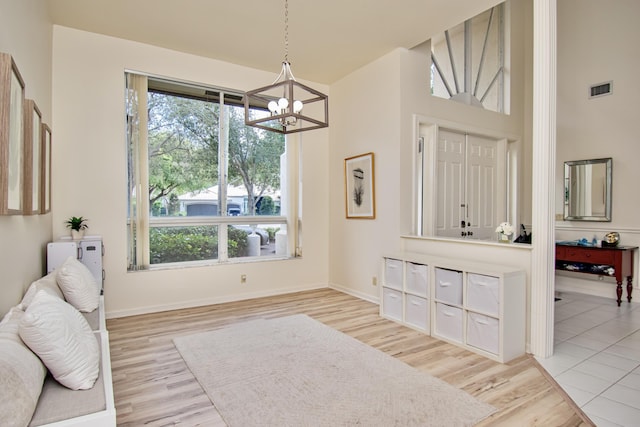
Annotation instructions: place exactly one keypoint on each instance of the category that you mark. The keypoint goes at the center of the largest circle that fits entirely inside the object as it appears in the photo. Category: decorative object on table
(77, 224)
(360, 186)
(286, 98)
(611, 239)
(504, 230)
(524, 237)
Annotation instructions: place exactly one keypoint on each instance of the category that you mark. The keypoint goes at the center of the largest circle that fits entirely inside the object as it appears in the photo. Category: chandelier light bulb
(273, 106)
(297, 106)
(283, 103)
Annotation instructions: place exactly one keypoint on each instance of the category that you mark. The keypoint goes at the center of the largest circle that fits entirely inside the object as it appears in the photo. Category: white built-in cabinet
(480, 307)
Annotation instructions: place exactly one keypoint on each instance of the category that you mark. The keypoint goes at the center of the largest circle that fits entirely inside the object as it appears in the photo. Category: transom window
(468, 62)
(203, 187)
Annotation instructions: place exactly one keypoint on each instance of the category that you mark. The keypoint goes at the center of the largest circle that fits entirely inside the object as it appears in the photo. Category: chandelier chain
(286, 31)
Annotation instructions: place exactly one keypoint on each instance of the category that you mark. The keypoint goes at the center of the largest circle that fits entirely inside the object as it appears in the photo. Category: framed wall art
(359, 183)
(11, 137)
(32, 159)
(45, 170)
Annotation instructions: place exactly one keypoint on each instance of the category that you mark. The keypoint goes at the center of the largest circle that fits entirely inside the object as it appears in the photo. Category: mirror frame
(608, 162)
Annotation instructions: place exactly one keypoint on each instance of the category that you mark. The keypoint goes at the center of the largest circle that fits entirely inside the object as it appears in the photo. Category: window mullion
(223, 163)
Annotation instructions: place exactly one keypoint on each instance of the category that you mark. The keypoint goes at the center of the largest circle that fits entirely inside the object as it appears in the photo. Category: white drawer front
(416, 312)
(449, 322)
(483, 332)
(483, 293)
(449, 286)
(417, 279)
(393, 273)
(392, 303)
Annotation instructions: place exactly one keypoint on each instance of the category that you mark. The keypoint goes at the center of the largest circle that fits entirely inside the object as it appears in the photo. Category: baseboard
(210, 301)
(598, 288)
(353, 293)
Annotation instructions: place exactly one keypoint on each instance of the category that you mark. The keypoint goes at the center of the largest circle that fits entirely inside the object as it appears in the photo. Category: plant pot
(77, 234)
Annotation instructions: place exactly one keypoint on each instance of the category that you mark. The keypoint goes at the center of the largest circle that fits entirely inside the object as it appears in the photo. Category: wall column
(544, 160)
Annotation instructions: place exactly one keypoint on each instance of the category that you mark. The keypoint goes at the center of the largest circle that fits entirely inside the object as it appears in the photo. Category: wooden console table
(599, 260)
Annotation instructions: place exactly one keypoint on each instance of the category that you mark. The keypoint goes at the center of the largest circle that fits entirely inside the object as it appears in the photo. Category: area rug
(295, 371)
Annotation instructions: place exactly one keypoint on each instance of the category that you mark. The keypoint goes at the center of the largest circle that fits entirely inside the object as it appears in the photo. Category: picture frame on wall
(45, 170)
(359, 183)
(32, 157)
(12, 89)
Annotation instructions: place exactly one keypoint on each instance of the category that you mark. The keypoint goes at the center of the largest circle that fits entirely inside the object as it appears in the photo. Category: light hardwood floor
(153, 386)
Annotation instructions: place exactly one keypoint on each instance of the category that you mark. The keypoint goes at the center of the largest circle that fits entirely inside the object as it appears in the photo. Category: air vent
(601, 89)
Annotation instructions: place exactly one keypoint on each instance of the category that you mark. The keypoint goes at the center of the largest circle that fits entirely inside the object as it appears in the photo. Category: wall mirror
(587, 190)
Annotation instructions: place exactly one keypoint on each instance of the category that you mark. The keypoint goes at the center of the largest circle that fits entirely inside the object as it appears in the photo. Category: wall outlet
(243, 278)
(374, 281)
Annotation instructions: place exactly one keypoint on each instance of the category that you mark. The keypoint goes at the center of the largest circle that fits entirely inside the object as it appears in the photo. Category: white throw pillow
(78, 285)
(47, 283)
(21, 373)
(63, 340)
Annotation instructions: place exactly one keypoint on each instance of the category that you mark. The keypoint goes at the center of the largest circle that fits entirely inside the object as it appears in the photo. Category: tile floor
(596, 357)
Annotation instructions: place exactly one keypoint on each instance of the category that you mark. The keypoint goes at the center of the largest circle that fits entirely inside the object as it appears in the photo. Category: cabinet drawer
(483, 293)
(449, 322)
(392, 304)
(393, 273)
(417, 279)
(416, 312)
(591, 256)
(448, 286)
(483, 332)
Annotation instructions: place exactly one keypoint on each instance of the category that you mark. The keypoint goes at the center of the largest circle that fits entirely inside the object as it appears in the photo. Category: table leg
(629, 288)
(619, 292)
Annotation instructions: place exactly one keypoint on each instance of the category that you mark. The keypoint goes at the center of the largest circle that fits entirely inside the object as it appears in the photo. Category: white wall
(25, 33)
(597, 42)
(366, 117)
(373, 110)
(90, 174)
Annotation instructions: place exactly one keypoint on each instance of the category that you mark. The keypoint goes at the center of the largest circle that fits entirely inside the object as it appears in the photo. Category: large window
(203, 187)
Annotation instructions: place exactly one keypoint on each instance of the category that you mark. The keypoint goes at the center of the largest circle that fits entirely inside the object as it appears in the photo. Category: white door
(450, 167)
(467, 185)
(482, 186)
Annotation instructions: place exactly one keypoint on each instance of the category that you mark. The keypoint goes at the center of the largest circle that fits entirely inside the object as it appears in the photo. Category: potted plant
(77, 224)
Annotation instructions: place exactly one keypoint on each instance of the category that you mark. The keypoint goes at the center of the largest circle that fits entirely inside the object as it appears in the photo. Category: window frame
(287, 214)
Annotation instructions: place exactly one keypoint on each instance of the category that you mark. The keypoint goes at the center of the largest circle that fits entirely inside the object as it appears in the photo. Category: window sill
(212, 263)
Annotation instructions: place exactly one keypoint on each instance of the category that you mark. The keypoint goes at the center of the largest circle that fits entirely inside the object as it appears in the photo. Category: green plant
(180, 244)
(272, 233)
(77, 223)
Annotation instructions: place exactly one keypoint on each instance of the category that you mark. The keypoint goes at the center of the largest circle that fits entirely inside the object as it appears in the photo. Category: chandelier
(292, 106)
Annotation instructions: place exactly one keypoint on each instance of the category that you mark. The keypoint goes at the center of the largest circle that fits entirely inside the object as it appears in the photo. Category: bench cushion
(54, 401)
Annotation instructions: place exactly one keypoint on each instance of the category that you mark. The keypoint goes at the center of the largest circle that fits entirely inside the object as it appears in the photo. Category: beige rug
(295, 371)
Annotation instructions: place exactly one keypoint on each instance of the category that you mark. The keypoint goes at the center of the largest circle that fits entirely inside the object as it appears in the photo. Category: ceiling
(328, 39)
